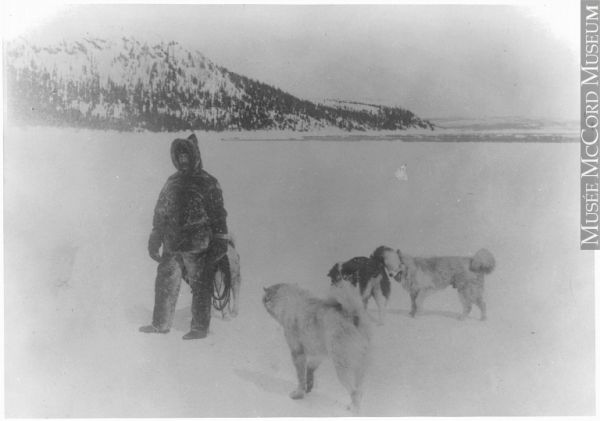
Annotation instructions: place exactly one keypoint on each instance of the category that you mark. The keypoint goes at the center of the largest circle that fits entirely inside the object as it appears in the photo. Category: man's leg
(166, 292)
(201, 281)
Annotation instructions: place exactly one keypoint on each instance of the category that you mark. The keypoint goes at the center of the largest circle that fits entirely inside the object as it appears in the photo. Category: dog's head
(402, 273)
(341, 272)
(335, 274)
(390, 261)
(270, 298)
(387, 258)
(380, 252)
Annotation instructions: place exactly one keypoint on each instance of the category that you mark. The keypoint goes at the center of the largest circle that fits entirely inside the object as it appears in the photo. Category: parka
(189, 211)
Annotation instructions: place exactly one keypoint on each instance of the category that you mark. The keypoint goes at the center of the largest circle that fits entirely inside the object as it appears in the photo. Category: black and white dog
(369, 274)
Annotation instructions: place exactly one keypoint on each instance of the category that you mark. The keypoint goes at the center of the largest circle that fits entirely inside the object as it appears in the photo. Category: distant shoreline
(442, 138)
(552, 135)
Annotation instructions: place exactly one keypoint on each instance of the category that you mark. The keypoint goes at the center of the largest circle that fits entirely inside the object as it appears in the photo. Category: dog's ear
(373, 255)
(331, 272)
(378, 253)
(335, 273)
(376, 256)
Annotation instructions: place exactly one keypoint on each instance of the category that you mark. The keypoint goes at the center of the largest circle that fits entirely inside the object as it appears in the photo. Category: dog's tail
(347, 297)
(483, 262)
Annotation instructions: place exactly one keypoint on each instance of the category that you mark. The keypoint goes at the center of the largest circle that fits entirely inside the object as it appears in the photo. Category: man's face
(184, 161)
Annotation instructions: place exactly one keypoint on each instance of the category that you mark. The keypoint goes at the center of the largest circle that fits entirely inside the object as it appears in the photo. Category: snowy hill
(78, 282)
(127, 84)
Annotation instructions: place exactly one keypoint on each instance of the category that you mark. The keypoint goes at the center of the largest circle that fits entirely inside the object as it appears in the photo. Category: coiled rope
(221, 297)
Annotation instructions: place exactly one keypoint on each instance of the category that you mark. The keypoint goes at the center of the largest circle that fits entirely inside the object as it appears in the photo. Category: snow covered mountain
(127, 84)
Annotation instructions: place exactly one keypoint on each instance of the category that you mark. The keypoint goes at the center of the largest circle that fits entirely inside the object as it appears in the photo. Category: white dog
(421, 276)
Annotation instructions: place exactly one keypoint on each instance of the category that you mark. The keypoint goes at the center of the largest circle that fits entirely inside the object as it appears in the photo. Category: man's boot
(195, 334)
(152, 329)
(201, 307)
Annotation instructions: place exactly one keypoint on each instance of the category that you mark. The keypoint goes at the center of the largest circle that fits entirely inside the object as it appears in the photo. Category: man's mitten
(154, 243)
(217, 249)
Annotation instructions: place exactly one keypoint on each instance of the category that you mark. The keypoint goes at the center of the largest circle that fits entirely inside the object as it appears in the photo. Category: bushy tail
(347, 296)
(483, 262)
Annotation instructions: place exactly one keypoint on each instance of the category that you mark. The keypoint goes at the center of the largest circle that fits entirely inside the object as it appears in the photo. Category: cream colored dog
(421, 276)
(314, 329)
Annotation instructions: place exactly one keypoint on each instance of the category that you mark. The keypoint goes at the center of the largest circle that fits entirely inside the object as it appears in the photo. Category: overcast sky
(436, 60)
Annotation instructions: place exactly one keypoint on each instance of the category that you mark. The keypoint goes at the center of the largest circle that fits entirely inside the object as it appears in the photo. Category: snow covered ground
(78, 282)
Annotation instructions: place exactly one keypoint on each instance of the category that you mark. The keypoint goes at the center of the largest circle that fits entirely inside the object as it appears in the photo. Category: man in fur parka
(190, 224)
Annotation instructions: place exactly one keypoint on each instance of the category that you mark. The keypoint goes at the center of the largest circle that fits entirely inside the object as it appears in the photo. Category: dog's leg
(356, 397)
(310, 378)
(466, 303)
(346, 377)
(481, 304)
(366, 294)
(350, 365)
(377, 294)
(423, 293)
(311, 366)
(413, 303)
(417, 300)
(359, 376)
(299, 359)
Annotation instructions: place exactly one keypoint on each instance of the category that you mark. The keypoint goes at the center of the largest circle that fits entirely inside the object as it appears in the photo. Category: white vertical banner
(590, 206)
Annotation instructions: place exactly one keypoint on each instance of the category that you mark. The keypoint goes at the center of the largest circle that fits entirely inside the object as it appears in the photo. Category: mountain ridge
(127, 84)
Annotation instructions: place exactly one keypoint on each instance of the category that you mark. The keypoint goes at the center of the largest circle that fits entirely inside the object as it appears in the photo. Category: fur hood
(191, 145)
